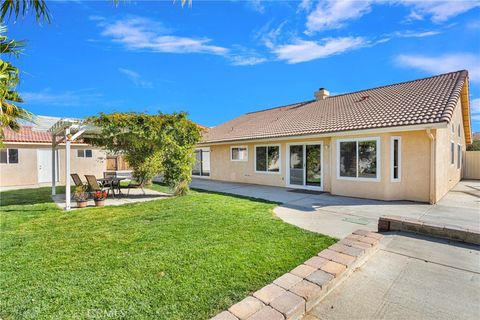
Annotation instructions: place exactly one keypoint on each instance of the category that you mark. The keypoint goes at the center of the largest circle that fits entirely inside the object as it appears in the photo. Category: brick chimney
(321, 94)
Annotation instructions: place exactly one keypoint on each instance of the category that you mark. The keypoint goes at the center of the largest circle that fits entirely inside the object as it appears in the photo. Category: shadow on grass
(27, 196)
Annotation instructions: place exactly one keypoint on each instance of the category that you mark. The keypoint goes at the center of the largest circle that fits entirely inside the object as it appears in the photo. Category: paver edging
(446, 231)
(298, 291)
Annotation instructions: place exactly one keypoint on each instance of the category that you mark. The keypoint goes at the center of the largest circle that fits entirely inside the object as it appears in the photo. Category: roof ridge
(398, 83)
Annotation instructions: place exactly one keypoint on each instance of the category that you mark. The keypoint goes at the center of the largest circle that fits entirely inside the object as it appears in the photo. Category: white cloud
(246, 60)
(443, 63)
(269, 36)
(96, 18)
(333, 14)
(136, 78)
(145, 34)
(439, 11)
(305, 5)
(65, 98)
(415, 34)
(256, 5)
(302, 51)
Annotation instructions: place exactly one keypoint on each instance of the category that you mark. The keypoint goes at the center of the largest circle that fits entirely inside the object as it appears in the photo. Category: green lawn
(178, 258)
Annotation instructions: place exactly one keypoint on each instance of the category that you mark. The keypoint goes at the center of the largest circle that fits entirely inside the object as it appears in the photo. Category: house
(26, 157)
(403, 141)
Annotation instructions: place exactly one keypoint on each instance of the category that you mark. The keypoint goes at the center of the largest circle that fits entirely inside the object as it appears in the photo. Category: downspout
(433, 169)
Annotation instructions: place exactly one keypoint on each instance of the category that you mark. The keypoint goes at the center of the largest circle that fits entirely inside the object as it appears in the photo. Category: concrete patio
(136, 195)
(410, 277)
(339, 216)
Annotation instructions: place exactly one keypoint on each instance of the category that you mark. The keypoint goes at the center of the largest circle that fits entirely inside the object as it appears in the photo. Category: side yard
(177, 258)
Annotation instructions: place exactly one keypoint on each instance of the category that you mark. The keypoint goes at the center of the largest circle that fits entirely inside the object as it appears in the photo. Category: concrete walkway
(136, 195)
(339, 216)
(410, 277)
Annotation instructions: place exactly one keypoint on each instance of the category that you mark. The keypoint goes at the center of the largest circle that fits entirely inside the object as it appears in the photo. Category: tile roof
(26, 134)
(422, 101)
(30, 134)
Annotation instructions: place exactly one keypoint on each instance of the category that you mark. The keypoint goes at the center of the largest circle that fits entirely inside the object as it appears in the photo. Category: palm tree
(10, 112)
(17, 7)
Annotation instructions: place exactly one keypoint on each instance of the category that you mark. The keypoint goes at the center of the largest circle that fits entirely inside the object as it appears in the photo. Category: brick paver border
(452, 232)
(293, 294)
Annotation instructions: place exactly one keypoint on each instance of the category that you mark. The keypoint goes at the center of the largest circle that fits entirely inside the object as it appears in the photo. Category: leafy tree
(151, 144)
(474, 146)
(10, 112)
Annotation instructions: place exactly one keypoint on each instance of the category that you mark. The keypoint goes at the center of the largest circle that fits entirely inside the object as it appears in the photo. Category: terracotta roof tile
(26, 134)
(423, 101)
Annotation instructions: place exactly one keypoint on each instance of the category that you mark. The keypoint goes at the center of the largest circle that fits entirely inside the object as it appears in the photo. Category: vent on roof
(363, 98)
(321, 94)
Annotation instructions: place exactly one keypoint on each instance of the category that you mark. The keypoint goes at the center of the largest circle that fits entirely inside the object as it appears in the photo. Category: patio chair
(76, 179)
(138, 185)
(93, 184)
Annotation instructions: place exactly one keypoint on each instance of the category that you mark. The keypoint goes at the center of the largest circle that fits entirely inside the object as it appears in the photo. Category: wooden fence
(472, 165)
(117, 163)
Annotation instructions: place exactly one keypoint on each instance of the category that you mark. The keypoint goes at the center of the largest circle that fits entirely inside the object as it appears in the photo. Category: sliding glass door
(305, 165)
(202, 163)
(297, 171)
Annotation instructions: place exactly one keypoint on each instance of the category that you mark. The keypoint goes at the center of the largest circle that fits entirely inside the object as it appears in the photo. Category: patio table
(114, 182)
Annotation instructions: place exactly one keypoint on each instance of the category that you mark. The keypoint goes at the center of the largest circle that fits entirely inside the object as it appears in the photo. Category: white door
(44, 163)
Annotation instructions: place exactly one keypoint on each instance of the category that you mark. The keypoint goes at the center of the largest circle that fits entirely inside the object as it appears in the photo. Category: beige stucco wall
(415, 170)
(25, 173)
(448, 175)
(222, 168)
(414, 183)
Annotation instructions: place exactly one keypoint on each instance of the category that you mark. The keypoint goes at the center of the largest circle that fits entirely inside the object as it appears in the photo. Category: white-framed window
(459, 156)
(459, 132)
(239, 153)
(396, 159)
(452, 128)
(84, 153)
(267, 159)
(452, 152)
(9, 156)
(358, 159)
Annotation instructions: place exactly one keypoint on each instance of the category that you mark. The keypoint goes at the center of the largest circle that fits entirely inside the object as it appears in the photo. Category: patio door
(201, 168)
(44, 165)
(305, 166)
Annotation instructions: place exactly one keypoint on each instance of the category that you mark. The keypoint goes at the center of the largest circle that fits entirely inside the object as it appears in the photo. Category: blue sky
(217, 60)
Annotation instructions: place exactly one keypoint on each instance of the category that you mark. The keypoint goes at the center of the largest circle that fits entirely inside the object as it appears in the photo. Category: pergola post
(54, 165)
(67, 169)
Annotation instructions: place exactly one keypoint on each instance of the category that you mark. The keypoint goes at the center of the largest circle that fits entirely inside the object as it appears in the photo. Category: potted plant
(99, 198)
(81, 196)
